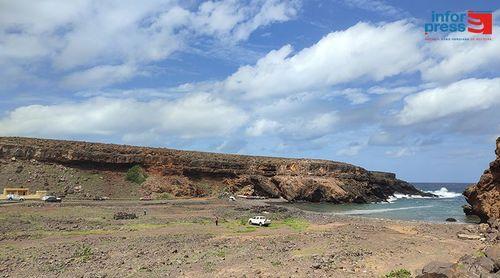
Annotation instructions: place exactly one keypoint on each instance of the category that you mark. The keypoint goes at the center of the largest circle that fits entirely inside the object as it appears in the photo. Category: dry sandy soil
(178, 238)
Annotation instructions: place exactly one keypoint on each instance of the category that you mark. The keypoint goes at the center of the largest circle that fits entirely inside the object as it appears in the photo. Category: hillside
(85, 170)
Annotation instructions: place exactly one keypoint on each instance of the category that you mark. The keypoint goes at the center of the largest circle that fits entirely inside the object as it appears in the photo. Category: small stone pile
(124, 215)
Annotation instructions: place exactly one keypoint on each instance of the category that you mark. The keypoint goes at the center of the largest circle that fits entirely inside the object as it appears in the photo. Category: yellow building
(22, 192)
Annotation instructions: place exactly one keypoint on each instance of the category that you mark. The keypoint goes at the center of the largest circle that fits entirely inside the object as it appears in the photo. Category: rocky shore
(189, 173)
(484, 196)
(484, 201)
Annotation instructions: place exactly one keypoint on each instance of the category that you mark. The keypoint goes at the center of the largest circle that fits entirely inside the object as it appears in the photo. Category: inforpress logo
(472, 23)
(481, 22)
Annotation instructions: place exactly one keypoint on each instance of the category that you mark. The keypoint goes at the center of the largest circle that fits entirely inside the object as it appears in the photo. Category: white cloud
(99, 76)
(459, 97)
(89, 36)
(194, 116)
(456, 59)
(236, 20)
(261, 127)
(400, 152)
(300, 127)
(360, 52)
(352, 149)
(355, 95)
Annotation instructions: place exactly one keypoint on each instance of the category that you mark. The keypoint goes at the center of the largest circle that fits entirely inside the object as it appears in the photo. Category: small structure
(23, 192)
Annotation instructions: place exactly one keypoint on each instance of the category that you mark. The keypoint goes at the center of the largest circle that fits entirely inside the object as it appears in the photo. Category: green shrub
(399, 273)
(84, 253)
(136, 175)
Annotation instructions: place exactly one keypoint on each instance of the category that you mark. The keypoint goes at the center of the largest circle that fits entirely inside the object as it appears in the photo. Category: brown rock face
(484, 196)
(189, 173)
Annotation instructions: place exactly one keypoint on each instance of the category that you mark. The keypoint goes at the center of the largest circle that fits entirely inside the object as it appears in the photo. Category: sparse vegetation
(83, 253)
(220, 253)
(479, 254)
(276, 263)
(136, 175)
(399, 273)
(296, 224)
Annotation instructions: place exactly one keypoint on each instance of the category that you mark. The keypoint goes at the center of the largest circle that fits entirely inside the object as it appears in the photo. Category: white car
(259, 220)
(13, 197)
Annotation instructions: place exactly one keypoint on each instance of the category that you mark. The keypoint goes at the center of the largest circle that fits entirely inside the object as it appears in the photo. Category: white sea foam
(371, 211)
(391, 199)
(441, 193)
(444, 193)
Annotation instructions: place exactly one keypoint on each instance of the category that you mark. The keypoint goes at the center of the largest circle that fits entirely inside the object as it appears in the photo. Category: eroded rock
(188, 173)
(484, 196)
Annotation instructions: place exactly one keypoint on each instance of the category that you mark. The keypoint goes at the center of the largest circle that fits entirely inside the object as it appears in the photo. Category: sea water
(448, 204)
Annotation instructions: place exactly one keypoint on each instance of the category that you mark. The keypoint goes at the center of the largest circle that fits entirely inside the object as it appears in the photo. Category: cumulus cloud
(382, 77)
(236, 20)
(261, 127)
(459, 97)
(193, 116)
(452, 60)
(301, 127)
(90, 36)
(339, 57)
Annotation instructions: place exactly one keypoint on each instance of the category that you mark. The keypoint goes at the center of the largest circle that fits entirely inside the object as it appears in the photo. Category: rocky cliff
(189, 173)
(484, 196)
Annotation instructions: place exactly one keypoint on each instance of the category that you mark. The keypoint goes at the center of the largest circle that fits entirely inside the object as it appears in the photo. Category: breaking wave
(441, 193)
(444, 193)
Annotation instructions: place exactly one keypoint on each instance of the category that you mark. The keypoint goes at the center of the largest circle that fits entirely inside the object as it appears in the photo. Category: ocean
(448, 204)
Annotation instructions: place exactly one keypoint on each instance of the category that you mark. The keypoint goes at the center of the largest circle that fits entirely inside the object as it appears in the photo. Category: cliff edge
(67, 168)
(484, 196)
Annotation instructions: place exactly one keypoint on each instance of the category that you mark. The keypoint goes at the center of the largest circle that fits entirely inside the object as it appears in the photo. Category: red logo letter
(482, 23)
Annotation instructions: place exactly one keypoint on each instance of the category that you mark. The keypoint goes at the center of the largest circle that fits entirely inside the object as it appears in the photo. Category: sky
(344, 80)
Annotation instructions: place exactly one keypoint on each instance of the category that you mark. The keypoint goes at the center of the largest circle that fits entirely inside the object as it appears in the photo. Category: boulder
(436, 270)
(493, 253)
(483, 228)
(469, 237)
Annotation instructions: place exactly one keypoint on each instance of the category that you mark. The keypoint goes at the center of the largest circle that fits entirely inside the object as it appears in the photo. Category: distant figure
(145, 212)
(216, 221)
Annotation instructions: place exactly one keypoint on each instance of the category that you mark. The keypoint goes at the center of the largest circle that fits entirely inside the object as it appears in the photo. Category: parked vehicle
(259, 220)
(146, 198)
(13, 197)
(51, 199)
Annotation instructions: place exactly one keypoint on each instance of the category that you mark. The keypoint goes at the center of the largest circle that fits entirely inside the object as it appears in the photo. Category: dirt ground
(179, 238)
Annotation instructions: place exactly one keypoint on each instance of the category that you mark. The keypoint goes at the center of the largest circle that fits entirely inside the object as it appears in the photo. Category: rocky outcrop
(484, 263)
(484, 196)
(188, 172)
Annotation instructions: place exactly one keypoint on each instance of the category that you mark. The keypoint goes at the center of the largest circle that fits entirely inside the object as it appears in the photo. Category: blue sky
(345, 80)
